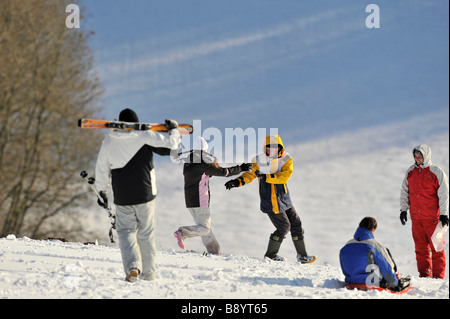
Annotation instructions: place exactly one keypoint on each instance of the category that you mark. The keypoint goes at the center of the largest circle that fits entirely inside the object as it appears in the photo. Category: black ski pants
(285, 222)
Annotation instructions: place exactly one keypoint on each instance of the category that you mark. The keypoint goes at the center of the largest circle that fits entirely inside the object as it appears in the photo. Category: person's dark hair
(369, 223)
(417, 152)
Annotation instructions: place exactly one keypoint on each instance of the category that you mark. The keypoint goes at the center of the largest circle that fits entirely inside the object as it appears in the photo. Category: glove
(231, 184)
(403, 217)
(402, 284)
(444, 220)
(246, 167)
(171, 124)
(104, 196)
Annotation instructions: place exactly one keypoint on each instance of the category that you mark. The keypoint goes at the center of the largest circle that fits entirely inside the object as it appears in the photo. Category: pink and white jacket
(198, 168)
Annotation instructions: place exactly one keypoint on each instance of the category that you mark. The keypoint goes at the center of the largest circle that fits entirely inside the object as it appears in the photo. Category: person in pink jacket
(199, 166)
(425, 193)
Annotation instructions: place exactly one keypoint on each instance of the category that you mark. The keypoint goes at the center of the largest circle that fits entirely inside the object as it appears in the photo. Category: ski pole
(91, 182)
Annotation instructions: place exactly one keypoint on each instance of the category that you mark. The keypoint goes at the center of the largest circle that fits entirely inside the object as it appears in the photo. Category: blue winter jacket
(363, 256)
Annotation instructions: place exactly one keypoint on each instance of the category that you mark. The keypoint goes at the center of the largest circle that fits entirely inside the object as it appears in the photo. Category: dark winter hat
(128, 115)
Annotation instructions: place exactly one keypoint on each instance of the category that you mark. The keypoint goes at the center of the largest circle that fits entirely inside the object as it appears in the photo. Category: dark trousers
(286, 222)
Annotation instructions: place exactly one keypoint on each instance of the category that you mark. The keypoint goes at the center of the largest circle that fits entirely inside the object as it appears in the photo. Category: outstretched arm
(215, 170)
(249, 176)
(245, 178)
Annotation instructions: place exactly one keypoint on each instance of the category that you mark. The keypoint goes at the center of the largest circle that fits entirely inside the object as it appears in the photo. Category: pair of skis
(184, 129)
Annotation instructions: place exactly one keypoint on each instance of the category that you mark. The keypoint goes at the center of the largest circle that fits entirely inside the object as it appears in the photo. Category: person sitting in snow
(366, 263)
(273, 168)
(199, 166)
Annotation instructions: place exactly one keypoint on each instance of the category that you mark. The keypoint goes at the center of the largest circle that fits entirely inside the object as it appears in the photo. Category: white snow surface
(53, 269)
(336, 182)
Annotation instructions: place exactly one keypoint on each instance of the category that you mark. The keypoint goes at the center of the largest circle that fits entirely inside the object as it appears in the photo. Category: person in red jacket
(425, 193)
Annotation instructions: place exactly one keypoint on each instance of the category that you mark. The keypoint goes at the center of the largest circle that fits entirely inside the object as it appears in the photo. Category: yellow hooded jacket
(273, 191)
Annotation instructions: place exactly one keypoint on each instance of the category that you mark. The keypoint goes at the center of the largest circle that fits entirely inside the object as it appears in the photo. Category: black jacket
(197, 171)
(127, 158)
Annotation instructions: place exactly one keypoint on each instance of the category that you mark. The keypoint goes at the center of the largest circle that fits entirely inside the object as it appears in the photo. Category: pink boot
(177, 235)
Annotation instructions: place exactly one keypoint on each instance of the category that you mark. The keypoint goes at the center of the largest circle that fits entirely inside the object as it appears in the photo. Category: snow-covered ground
(336, 182)
(53, 269)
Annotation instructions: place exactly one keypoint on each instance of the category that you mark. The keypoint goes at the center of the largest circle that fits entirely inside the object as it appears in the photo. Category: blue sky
(309, 68)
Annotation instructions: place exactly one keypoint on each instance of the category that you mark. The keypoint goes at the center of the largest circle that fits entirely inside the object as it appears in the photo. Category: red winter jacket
(425, 189)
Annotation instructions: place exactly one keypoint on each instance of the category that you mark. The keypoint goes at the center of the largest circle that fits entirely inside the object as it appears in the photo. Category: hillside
(53, 269)
(336, 182)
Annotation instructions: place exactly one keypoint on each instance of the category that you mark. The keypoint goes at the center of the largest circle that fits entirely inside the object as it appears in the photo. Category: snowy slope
(336, 182)
(52, 269)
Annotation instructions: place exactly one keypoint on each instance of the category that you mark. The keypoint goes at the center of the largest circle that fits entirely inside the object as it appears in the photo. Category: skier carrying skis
(273, 168)
(367, 263)
(127, 158)
(198, 168)
(425, 193)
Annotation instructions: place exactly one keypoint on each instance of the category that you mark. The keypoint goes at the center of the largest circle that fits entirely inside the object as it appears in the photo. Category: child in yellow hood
(273, 168)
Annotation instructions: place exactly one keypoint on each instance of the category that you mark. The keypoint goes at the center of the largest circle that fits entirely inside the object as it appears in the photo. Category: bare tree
(46, 83)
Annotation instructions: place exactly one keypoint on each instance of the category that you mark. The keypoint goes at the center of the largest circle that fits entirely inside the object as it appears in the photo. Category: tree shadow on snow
(303, 282)
(296, 282)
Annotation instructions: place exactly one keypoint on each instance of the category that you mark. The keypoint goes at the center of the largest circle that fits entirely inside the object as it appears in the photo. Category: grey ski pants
(202, 217)
(135, 225)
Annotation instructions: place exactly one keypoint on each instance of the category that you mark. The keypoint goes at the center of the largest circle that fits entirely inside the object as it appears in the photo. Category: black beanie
(128, 115)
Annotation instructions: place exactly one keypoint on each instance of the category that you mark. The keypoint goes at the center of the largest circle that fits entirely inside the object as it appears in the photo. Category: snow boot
(179, 238)
(403, 283)
(302, 255)
(211, 244)
(273, 248)
(132, 275)
(306, 259)
(276, 258)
